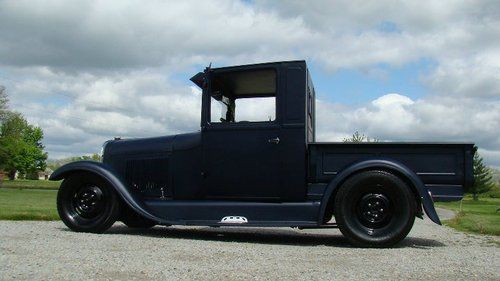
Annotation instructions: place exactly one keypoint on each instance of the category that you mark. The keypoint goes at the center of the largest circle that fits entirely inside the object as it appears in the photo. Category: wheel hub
(374, 209)
(87, 201)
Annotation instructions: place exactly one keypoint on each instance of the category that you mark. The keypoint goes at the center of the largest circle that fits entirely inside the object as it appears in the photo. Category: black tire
(375, 209)
(133, 220)
(87, 203)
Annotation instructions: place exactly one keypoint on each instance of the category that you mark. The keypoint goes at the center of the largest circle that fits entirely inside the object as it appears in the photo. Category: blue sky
(353, 87)
(89, 71)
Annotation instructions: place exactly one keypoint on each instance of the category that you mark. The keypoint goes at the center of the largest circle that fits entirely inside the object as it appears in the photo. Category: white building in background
(45, 175)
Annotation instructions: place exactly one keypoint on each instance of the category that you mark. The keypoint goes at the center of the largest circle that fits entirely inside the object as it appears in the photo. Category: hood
(156, 145)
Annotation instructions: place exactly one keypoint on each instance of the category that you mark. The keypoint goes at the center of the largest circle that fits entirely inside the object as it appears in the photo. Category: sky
(88, 71)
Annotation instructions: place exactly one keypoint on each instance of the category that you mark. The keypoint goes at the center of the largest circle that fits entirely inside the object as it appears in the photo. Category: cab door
(242, 136)
(242, 162)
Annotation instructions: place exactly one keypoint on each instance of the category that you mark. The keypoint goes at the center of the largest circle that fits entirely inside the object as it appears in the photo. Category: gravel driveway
(48, 250)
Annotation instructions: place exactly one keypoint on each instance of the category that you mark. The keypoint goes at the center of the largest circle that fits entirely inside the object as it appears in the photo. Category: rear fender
(106, 172)
(388, 165)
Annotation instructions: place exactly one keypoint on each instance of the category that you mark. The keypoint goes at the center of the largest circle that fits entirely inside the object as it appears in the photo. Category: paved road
(48, 250)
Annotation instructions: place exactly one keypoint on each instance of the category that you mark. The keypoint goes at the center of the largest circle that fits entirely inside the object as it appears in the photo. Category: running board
(220, 212)
(328, 225)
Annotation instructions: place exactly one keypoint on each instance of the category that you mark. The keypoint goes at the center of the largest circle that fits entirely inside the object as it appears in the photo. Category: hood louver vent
(149, 176)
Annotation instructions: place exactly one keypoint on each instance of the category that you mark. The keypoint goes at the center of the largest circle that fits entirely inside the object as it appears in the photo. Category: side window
(256, 109)
(243, 96)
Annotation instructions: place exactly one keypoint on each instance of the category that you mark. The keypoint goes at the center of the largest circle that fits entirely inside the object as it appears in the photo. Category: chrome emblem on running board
(234, 219)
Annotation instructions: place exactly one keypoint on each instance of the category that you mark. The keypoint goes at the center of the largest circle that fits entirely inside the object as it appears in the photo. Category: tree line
(21, 148)
(53, 164)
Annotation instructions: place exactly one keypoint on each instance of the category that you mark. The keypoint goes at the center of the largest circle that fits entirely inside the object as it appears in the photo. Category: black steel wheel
(86, 203)
(133, 220)
(375, 209)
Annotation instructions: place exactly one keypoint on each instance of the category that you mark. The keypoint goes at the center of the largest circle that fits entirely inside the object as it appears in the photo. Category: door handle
(276, 140)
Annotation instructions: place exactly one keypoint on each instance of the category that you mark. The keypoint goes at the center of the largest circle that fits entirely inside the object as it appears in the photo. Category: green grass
(30, 184)
(28, 204)
(475, 216)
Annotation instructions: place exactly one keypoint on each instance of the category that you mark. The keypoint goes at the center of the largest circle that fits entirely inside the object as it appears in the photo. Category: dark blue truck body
(269, 172)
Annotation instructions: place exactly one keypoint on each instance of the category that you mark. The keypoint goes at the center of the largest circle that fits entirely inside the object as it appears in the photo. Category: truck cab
(255, 162)
(253, 132)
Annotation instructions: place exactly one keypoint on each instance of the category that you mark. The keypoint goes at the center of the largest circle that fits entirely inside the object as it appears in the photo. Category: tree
(357, 137)
(482, 177)
(55, 164)
(21, 147)
(93, 157)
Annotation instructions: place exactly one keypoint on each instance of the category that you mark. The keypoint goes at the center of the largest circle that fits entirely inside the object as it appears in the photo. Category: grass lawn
(31, 184)
(28, 204)
(475, 216)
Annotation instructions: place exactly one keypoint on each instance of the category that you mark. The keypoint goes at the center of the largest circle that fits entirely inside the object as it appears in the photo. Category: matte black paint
(241, 169)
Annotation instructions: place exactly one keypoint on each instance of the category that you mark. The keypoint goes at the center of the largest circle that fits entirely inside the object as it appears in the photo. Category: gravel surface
(48, 250)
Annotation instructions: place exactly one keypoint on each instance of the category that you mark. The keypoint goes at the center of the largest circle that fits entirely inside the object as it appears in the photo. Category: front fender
(385, 164)
(107, 173)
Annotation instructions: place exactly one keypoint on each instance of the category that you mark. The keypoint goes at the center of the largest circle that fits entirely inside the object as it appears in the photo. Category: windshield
(225, 107)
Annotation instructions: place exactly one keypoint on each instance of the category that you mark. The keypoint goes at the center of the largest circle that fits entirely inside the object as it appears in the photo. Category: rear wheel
(375, 209)
(87, 203)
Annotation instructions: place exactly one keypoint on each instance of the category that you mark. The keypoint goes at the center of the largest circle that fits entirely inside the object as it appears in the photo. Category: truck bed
(444, 168)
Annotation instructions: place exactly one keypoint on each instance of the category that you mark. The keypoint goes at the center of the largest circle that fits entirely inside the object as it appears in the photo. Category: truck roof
(198, 78)
(257, 64)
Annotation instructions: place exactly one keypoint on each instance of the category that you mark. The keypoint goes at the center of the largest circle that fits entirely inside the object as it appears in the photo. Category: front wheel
(87, 203)
(375, 209)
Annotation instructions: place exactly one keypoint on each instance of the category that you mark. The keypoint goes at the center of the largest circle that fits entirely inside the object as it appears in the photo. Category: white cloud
(133, 104)
(122, 34)
(478, 76)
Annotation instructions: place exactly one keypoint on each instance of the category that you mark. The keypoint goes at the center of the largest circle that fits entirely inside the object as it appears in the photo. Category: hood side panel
(152, 167)
(140, 146)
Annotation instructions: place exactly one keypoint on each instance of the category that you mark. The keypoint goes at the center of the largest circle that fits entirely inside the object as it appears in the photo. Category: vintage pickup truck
(257, 164)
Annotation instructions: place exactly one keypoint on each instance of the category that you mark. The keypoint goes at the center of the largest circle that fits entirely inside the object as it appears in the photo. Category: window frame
(249, 124)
